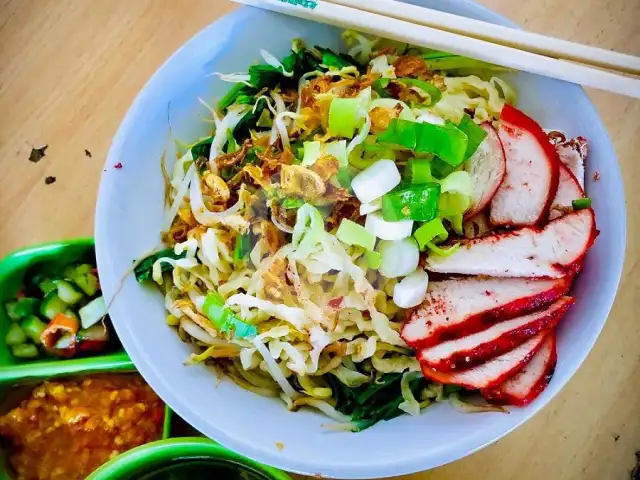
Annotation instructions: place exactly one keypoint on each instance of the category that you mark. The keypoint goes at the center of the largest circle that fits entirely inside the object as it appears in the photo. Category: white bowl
(129, 218)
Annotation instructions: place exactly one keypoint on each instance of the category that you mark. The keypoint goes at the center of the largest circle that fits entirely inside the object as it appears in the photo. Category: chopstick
(403, 31)
(510, 37)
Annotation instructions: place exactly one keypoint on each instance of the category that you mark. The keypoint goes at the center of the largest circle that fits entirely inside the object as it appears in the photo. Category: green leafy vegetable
(239, 90)
(144, 269)
(335, 60)
(202, 148)
(372, 402)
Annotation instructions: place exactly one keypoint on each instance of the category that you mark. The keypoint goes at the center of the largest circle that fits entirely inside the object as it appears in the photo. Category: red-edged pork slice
(491, 373)
(487, 168)
(455, 308)
(550, 252)
(573, 154)
(568, 190)
(531, 181)
(496, 340)
(526, 385)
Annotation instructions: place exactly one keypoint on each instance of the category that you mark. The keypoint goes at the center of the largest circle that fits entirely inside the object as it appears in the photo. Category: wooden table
(70, 69)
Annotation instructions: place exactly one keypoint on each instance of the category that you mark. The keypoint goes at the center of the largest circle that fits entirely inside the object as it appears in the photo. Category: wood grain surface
(70, 69)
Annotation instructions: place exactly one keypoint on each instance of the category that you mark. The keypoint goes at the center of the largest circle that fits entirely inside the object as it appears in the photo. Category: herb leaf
(144, 269)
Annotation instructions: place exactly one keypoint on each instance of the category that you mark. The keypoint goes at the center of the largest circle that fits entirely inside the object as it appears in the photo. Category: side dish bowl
(129, 219)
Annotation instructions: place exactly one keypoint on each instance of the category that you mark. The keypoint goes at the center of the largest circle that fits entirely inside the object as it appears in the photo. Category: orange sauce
(66, 429)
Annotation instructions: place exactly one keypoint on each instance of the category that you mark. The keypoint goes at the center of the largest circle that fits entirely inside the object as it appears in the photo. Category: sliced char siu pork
(531, 179)
(458, 307)
(550, 252)
(568, 190)
(487, 167)
(504, 336)
(573, 154)
(492, 372)
(523, 387)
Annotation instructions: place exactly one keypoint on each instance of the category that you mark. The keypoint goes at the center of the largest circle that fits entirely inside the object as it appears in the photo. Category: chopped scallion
(223, 319)
(417, 202)
(430, 232)
(581, 203)
(352, 233)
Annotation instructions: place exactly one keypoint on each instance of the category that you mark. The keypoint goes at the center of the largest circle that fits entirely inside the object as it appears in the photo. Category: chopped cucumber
(98, 332)
(15, 335)
(67, 292)
(33, 327)
(20, 308)
(25, 350)
(52, 305)
(81, 275)
(47, 285)
(93, 312)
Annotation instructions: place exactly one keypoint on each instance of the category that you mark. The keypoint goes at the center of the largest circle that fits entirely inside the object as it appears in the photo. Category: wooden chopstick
(510, 37)
(399, 30)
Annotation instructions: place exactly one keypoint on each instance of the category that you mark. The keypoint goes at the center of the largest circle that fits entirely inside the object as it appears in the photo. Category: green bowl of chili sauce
(190, 457)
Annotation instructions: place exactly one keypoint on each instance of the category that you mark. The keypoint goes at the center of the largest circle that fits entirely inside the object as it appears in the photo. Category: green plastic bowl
(152, 458)
(12, 271)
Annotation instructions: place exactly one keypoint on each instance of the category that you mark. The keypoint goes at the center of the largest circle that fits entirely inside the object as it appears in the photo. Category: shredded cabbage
(410, 404)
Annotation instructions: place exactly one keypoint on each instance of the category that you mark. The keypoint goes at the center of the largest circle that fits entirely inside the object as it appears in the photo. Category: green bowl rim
(183, 447)
(45, 246)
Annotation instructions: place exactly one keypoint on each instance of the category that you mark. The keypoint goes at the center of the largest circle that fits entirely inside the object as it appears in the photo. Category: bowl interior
(129, 218)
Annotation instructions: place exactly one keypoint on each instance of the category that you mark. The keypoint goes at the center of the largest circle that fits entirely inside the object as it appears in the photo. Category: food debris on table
(49, 180)
(38, 153)
(87, 153)
(118, 165)
(280, 446)
(596, 176)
